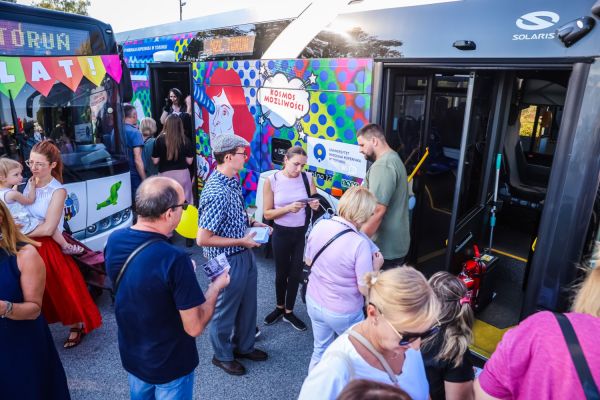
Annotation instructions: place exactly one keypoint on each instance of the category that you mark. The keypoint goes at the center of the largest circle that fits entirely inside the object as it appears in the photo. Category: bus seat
(516, 165)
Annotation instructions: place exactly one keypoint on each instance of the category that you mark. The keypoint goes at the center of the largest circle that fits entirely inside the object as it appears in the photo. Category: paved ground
(94, 368)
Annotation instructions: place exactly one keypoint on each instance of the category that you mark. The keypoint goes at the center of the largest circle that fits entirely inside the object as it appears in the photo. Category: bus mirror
(596, 9)
(464, 45)
(575, 30)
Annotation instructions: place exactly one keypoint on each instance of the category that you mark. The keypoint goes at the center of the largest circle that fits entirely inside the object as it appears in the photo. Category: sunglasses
(183, 206)
(407, 338)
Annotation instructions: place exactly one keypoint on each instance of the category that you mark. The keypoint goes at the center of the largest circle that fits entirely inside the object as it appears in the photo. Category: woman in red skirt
(66, 298)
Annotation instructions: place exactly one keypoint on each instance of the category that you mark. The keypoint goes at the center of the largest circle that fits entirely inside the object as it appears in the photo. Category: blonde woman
(148, 129)
(334, 297)
(30, 367)
(402, 311)
(449, 369)
(533, 361)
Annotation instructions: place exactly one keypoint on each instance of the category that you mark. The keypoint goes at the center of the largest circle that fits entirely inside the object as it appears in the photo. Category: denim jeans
(327, 326)
(178, 389)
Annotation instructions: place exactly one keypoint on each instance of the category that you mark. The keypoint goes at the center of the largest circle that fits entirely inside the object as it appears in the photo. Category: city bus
(59, 79)
(477, 89)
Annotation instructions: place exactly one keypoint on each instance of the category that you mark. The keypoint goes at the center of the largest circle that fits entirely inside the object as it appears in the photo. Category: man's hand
(248, 241)
(377, 261)
(263, 225)
(222, 281)
(295, 206)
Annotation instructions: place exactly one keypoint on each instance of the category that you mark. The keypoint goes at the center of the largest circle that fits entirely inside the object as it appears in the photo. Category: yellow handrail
(421, 161)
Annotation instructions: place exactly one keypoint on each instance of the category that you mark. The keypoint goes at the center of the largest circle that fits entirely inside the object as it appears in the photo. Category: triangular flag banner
(68, 71)
(38, 73)
(11, 76)
(112, 64)
(92, 68)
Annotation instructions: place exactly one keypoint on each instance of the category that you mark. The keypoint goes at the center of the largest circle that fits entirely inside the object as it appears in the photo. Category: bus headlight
(105, 224)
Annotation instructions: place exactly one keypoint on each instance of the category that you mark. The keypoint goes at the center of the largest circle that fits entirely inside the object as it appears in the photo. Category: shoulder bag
(128, 261)
(590, 389)
(306, 268)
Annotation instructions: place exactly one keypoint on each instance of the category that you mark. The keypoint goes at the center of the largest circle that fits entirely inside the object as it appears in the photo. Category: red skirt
(66, 298)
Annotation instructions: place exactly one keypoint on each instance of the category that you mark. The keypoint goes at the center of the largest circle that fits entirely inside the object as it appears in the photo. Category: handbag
(306, 268)
(590, 389)
(128, 261)
(91, 266)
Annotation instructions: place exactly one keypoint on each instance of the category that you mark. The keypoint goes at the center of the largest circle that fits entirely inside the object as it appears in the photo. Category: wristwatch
(9, 307)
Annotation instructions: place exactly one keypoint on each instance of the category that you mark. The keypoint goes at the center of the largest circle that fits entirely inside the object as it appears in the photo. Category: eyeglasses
(244, 154)
(183, 206)
(407, 338)
(32, 164)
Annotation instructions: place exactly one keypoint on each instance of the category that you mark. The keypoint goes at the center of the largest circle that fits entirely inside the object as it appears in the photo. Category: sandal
(72, 249)
(73, 342)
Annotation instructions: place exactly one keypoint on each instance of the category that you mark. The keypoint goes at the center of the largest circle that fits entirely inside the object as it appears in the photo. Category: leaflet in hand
(216, 266)
(262, 234)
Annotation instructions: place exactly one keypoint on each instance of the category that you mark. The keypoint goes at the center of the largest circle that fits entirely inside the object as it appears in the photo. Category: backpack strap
(128, 261)
(307, 210)
(581, 366)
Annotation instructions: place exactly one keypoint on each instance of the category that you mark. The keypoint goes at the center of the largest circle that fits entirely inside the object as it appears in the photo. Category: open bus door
(164, 76)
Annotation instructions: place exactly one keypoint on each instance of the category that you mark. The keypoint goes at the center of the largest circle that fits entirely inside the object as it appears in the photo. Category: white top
(19, 213)
(329, 377)
(43, 195)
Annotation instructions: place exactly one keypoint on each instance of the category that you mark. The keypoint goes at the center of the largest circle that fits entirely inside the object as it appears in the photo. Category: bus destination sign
(236, 45)
(24, 39)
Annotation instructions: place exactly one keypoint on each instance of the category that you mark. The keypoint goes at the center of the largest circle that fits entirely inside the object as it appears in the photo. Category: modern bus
(59, 79)
(464, 83)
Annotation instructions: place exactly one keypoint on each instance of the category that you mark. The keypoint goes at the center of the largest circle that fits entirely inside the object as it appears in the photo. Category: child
(10, 176)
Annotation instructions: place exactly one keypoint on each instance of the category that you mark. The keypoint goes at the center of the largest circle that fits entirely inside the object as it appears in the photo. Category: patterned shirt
(222, 212)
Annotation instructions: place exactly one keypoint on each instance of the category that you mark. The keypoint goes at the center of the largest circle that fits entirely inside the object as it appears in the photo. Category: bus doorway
(163, 77)
(464, 120)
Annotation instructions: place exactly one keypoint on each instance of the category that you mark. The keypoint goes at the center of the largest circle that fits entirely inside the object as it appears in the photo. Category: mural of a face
(221, 121)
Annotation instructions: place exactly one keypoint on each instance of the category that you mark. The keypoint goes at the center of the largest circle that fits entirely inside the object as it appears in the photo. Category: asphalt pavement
(94, 369)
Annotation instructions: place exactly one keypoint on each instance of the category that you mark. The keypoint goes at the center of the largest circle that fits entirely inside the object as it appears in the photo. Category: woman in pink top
(334, 298)
(286, 195)
(533, 362)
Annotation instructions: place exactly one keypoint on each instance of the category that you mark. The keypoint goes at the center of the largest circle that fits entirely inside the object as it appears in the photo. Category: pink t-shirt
(340, 269)
(286, 191)
(533, 362)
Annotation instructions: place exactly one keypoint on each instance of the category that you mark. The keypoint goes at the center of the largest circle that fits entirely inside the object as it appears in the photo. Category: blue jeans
(178, 389)
(327, 326)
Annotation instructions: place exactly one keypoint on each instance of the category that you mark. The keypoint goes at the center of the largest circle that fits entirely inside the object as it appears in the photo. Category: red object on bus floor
(471, 274)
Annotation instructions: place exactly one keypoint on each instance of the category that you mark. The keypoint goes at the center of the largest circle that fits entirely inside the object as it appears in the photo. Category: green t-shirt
(387, 180)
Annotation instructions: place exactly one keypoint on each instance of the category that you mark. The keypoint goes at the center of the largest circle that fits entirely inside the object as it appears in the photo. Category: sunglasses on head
(407, 338)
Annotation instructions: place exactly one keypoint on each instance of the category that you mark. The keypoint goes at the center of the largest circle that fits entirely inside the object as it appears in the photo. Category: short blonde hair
(148, 125)
(587, 299)
(357, 205)
(6, 165)
(404, 297)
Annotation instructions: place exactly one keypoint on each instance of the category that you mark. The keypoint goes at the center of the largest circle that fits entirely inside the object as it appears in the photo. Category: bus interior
(163, 77)
(514, 113)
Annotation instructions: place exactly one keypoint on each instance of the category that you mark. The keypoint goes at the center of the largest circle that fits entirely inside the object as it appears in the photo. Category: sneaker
(257, 334)
(294, 321)
(274, 316)
(72, 249)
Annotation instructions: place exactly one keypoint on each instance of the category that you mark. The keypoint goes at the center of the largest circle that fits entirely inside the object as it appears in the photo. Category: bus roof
(221, 20)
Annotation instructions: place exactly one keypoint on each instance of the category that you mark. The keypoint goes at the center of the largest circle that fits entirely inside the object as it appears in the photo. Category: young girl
(11, 176)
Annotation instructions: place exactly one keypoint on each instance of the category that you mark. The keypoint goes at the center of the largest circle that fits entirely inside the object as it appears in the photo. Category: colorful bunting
(11, 76)
(92, 68)
(68, 72)
(43, 72)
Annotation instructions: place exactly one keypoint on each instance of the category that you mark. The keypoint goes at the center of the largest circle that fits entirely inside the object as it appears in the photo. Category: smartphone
(307, 200)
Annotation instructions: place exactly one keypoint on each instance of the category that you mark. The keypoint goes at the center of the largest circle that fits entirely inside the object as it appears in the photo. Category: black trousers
(288, 250)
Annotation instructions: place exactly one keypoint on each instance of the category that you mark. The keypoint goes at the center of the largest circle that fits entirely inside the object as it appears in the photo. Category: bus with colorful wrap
(60, 78)
(483, 88)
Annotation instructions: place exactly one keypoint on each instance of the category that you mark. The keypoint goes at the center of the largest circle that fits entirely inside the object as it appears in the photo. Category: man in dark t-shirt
(159, 306)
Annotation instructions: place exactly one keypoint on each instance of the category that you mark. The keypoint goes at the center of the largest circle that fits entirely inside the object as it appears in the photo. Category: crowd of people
(380, 328)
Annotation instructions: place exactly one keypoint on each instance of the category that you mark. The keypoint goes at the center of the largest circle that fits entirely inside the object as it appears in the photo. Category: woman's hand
(314, 204)
(295, 207)
(377, 261)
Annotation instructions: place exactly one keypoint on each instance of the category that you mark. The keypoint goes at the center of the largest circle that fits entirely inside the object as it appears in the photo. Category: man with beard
(387, 180)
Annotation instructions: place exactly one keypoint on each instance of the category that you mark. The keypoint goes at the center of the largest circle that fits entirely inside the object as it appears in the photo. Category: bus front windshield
(81, 123)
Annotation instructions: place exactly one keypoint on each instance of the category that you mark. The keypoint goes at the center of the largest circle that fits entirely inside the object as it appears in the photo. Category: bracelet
(9, 307)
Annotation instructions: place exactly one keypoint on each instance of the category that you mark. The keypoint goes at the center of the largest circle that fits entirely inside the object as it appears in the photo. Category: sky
(125, 15)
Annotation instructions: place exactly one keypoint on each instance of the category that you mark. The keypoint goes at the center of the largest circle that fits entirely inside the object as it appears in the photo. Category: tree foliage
(70, 6)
